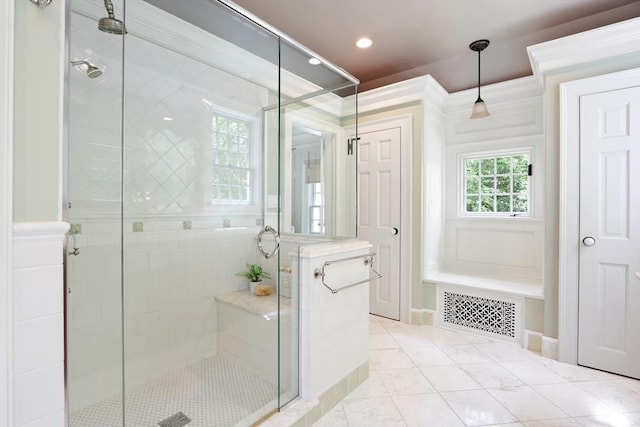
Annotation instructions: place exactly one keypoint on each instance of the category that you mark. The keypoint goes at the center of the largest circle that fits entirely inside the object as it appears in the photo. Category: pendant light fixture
(479, 107)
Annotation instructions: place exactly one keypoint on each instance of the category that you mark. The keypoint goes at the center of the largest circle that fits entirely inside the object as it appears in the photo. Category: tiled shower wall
(171, 276)
(179, 249)
(168, 104)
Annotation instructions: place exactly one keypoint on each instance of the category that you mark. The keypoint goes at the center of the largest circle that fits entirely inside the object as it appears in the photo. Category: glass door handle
(276, 247)
(589, 241)
(394, 231)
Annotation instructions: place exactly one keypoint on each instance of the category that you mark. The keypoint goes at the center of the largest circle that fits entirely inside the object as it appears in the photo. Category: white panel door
(379, 214)
(609, 287)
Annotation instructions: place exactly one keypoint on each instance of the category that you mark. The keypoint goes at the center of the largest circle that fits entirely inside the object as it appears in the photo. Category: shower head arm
(109, 6)
(92, 70)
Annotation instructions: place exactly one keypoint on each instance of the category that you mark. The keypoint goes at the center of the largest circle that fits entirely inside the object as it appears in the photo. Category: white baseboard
(423, 316)
(533, 341)
(550, 348)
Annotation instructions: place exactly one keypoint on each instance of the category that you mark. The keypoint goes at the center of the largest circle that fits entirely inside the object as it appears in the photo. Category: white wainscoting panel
(495, 247)
(491, 246)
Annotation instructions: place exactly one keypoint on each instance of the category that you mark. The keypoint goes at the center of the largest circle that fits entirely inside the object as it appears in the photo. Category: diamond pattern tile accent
(162, 158)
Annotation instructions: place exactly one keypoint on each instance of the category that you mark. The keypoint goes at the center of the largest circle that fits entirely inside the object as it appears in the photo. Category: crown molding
(426, 88)
(621, 38)
(497, 93)
(413, 90)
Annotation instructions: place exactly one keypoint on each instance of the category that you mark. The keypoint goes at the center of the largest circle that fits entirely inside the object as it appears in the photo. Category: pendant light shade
(479, 107)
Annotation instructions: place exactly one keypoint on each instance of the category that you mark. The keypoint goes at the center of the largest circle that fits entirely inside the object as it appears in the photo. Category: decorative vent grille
(484, 314)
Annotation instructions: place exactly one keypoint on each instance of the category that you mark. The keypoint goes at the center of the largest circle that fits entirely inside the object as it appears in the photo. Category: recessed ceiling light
(364, 43)
(167, 118)
(314, 61)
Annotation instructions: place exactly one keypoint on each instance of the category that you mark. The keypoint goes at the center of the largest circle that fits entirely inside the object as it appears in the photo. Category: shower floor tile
(214, 392)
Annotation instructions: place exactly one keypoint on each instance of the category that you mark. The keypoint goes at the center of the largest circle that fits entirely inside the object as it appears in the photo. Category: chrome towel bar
(368, 260)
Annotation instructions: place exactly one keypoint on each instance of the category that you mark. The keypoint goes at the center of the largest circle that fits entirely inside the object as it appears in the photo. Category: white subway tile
(29, 253)
(37, 292)
(38, 342)
(87, 314)
(137, 262)
(57, 419)
(38, 393)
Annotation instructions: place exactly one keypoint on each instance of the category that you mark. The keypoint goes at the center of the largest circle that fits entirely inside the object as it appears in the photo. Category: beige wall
(38, 103)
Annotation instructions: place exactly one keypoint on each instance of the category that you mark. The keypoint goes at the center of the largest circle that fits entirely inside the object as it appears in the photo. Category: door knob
(589, 241)
(394, 231)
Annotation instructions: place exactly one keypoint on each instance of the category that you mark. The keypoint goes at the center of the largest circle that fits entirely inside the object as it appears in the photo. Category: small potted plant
(254, 274)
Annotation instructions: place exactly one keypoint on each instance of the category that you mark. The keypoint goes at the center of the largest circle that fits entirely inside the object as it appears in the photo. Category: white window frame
(312, 189)
(462, 190)
(255, 155)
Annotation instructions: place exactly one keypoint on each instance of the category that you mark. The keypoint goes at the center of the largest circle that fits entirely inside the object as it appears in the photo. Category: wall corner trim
(6, 212)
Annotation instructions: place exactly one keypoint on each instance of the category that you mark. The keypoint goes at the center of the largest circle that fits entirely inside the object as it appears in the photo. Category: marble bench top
(266, 305)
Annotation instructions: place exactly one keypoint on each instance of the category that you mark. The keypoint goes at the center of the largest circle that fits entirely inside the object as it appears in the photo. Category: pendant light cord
(479, 74)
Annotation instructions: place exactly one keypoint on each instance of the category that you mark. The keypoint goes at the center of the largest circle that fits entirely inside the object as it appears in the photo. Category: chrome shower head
(110, 24)
(92, 70)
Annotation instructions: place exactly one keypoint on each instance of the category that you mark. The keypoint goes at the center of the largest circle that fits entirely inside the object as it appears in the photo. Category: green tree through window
(497, 184)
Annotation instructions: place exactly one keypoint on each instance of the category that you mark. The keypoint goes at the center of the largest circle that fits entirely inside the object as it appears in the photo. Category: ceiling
(416, 37)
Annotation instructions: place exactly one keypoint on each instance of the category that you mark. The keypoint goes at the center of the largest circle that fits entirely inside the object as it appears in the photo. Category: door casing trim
(569, 202)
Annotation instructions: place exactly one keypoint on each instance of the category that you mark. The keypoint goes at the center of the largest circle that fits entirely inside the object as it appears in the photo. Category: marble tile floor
(423, 376)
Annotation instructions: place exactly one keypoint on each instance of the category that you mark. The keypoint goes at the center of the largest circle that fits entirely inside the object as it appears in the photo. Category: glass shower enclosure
(194, 133)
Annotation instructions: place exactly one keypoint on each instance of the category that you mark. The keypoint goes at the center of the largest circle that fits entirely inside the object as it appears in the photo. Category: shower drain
(175, 420)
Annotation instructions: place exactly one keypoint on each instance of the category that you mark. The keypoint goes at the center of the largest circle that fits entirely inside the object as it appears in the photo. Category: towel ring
(273, 231)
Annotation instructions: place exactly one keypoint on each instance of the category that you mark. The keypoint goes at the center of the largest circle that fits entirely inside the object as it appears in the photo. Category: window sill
(510, 219)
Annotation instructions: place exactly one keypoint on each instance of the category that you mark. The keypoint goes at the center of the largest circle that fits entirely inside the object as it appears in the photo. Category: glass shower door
(93, 303)
(198, 344)
(165, 177)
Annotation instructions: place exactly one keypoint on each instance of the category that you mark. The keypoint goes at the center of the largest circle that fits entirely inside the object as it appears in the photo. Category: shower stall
(199, 140)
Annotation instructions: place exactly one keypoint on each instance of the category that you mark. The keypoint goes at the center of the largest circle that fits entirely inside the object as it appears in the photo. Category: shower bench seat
(247, 331)
(266, 305)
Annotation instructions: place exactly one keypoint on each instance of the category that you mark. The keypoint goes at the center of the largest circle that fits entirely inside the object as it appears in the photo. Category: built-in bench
(496, 307)
(522, 287)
